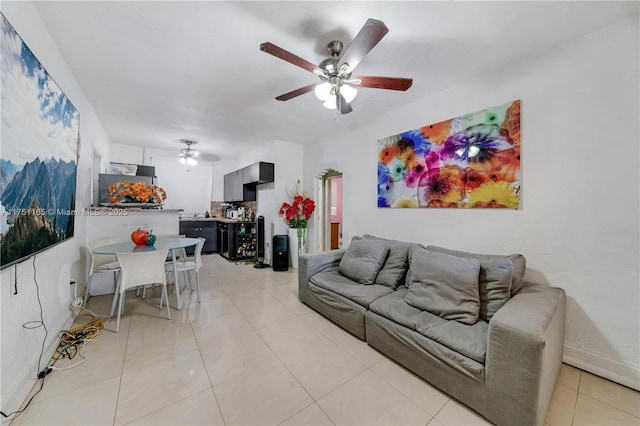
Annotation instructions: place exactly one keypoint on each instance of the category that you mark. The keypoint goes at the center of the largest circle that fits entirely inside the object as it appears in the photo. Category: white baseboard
(625, 374)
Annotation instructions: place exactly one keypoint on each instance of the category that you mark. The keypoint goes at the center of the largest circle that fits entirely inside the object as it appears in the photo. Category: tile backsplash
(219, 207)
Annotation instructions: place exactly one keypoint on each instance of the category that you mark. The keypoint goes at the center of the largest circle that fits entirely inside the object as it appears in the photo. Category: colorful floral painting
(471, 161)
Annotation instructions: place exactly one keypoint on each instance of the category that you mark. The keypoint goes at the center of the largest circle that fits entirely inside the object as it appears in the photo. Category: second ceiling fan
(337, 87)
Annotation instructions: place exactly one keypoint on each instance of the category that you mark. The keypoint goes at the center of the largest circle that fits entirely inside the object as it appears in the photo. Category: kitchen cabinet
(240, 185)
(229, 185)
(201, 228)
(235, 190)
(258, 173)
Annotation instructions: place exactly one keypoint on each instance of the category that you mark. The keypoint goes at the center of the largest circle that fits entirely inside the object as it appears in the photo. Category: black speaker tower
(280, 258)
(260, 244)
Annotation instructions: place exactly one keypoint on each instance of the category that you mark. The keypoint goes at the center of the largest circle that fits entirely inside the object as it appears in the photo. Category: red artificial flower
(299, 211)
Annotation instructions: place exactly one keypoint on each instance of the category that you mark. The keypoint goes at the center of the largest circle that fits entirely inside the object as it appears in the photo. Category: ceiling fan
(338, 87)
(187, 155)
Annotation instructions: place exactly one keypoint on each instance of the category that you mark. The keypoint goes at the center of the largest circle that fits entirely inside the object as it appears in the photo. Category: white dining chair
(180, 255)
(139, 270)
(187, 266)
(101, 263)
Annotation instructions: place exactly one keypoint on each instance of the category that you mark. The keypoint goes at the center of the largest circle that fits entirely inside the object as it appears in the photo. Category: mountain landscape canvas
(38, 154)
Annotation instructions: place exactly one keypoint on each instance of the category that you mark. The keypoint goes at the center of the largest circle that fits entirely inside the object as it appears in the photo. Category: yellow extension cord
(79, 335)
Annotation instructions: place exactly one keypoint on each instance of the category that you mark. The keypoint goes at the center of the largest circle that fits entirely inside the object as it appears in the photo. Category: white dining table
(171, 244)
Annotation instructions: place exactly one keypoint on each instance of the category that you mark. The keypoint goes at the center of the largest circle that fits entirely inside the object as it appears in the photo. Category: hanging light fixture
(348, 92)
(328, 93)
(187, 155)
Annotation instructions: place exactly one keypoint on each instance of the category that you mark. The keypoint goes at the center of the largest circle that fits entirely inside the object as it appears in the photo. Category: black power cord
(32, 325)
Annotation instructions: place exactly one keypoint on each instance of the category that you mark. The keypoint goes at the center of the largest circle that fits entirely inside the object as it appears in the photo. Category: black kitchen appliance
(223, 239)
(260, 244)
(280, 257)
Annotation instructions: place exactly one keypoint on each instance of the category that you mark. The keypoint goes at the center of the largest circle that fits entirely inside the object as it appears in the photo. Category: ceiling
(158, 72)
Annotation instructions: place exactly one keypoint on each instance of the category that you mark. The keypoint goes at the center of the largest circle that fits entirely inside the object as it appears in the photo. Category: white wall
(579, 225)
(21, 347)
(287, 158)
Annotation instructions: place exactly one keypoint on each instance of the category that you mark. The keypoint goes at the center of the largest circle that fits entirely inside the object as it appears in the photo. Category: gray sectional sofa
(466, 323)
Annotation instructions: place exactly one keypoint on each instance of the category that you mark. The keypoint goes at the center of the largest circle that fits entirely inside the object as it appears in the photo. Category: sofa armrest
(312, 263)
(524, 352)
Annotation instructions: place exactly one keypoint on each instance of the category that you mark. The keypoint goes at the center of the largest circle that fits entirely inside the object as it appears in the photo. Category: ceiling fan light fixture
(323, 90)
(335, 71)
(331, 102)
(188, 152)
(188, 155)
(348, 92)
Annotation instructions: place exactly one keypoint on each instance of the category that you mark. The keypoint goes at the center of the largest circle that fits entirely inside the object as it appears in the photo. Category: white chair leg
(198, 285)
(165, 295)
(119, 311)
(188, 273)
(144, 293)
(86, 291)
(116, 291)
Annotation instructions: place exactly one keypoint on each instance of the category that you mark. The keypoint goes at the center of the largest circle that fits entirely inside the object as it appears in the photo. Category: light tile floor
(251, 354)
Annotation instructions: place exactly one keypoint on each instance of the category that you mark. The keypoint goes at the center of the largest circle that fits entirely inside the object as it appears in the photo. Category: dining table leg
(175, 278)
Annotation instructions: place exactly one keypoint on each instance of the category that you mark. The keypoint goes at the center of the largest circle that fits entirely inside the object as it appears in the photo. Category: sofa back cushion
(394, 269)
(494, 285)
(519, 264)
(444, 285)
(363, 259)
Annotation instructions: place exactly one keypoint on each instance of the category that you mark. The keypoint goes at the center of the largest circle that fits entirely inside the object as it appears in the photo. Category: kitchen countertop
(215, 219)
(225, 220)
(118, 211)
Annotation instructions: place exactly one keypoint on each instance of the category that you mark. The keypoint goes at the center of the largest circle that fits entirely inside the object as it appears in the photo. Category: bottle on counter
(206, 214)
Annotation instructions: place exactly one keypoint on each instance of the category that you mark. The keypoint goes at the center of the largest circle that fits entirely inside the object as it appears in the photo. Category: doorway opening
(331, 210)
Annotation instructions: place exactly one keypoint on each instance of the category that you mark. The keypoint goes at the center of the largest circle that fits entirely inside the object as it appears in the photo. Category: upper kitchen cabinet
(232, 189)
(240, 185)
(257, 173)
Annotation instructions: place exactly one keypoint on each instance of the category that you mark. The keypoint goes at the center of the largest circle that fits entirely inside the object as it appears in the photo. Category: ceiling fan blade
(285, 55)
(345, 108)
(370, 34)
(297, 92)
(389, 83)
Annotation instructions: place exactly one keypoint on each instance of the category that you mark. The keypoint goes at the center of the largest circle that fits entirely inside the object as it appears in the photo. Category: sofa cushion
(468, 340)
(363, 259)
(518, 261)
(444, 285)
(396, 309)
(337, 283)
(439, 337)
(346, 313)
(394, 269)
(494, 285)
